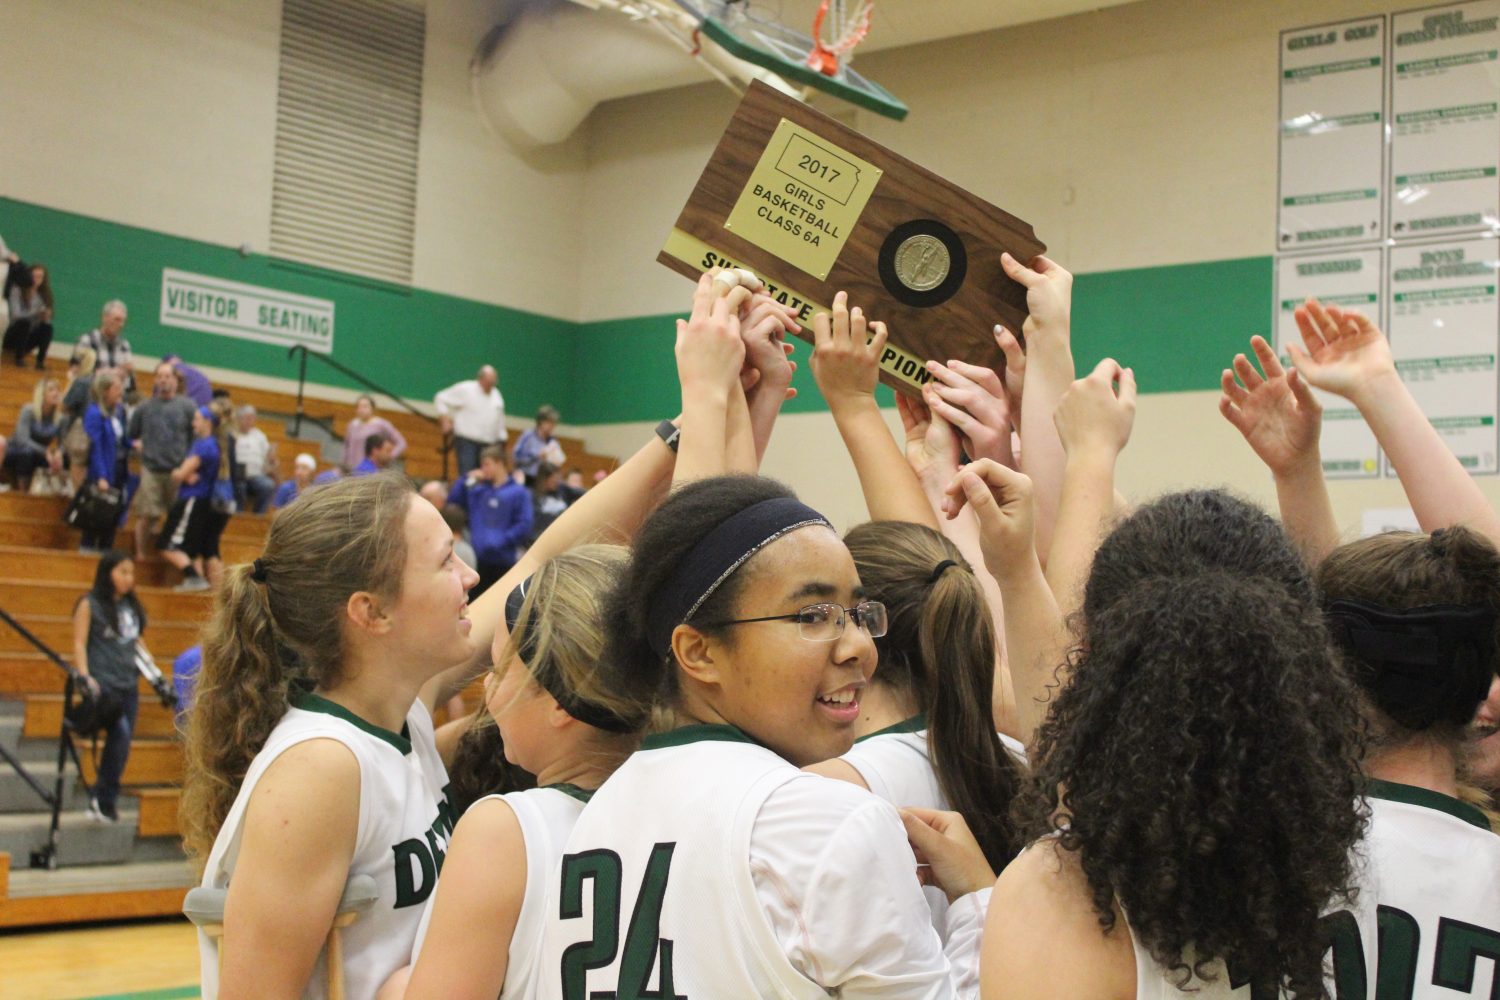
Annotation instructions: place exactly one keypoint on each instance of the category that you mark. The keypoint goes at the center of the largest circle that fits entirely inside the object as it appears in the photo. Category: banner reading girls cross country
(248, 312)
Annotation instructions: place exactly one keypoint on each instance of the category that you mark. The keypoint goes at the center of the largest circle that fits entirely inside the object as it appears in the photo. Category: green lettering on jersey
(415, 884)
(1397, 938)
(644, 948)
(1459, 947)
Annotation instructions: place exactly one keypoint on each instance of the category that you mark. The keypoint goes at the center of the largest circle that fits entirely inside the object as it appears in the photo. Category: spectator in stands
(104, 423)
(435, 492)
(185, 680)
(254, 460)
(550, 497)
(500, 514)
(575, 479)
(364, 424)
(458, 522)
(379, 454)
(111, 350)
(328, 476)
(28, 291)
(161, 430)
(75, 402)
(37, 443)
(108, 623)
(302, 478)
(8, 260)
(539, 445)
(195, 384)
(190, 538)
(473, 411)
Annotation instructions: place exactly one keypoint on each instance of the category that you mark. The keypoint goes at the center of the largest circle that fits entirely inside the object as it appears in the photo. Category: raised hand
(1345, 353)
(973, 399)
(1090, 416)
(1049, 296)
(1001, 500)
(710, 351)
(846, 358)
(764, 328)
(932, 445)
(1015, 372)
(1276, 412)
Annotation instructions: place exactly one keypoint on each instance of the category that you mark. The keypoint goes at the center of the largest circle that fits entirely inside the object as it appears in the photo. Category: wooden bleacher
(135, 868)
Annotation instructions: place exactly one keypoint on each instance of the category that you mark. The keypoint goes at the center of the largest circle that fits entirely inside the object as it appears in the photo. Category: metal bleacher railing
(301, 352)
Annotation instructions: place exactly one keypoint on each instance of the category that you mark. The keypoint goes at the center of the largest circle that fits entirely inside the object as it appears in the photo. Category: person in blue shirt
(380, 452)
(302, 478)
(190, 538)
(500, 515)
(104, 422)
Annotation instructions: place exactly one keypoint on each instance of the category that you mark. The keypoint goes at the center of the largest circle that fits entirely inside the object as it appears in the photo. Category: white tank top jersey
(897, 766)
(546, 816)
(404, 824)
(1426, 922)
(708, 867)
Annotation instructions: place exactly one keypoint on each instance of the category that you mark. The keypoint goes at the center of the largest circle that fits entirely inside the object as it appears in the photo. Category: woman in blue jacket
(103, 421)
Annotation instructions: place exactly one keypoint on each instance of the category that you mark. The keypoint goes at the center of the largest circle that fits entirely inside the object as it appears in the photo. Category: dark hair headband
(1423, 665)
(715, 558)
(547, 675)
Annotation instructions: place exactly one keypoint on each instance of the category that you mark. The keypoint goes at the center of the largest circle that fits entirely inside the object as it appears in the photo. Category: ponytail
(940, 648)
(978, 776)
(278, 625)
(241, 694)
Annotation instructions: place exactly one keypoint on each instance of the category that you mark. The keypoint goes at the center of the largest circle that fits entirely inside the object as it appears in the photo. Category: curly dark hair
(479, 766)
(1203, 761)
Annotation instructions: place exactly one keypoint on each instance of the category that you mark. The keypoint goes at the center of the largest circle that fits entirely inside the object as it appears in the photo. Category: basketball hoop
(846, 31)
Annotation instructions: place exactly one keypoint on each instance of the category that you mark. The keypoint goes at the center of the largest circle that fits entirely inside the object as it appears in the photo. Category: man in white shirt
(256, 460)
(474, 412)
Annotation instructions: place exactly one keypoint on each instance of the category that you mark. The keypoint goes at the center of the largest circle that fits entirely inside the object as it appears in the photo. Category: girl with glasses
(709, 864)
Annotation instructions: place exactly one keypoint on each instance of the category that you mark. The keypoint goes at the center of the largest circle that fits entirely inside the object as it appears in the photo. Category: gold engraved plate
(803, 199)
(922, 262)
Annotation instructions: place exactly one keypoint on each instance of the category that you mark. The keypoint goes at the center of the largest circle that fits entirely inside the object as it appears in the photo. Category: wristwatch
(669, 434)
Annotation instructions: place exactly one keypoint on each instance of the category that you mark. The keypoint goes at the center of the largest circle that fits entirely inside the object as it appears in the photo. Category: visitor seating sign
(248, 312)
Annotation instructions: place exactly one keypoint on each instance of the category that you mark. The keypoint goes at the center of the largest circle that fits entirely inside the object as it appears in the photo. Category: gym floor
(142, 960)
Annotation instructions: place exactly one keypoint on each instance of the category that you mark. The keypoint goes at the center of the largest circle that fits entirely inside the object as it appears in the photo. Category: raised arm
(1036, 636)
(846, 364)
(710, 354)
(1281, 420)
(764, 332)
(1093, 424)
(1347, 354)
(1049, 372)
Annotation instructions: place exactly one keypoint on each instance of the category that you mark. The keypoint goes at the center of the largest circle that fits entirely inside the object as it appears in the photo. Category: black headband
(714, 559)
(1422, 665)
(547, 676)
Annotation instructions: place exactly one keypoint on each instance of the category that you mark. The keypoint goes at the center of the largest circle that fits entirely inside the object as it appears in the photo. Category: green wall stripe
(1178, 326)
(409, 340)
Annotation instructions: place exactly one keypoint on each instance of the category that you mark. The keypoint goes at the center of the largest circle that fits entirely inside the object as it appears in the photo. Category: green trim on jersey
(915, 724)
(309, 702)
(573, 791)
(696, 734)
(1427, 799)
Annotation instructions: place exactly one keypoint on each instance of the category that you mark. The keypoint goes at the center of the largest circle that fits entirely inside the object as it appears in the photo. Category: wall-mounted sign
(249, 312)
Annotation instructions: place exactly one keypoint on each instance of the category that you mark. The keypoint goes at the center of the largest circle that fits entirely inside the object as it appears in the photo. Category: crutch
(205, 908)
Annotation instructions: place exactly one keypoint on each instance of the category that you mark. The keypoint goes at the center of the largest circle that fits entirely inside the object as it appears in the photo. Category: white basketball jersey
(546, 815)
(1426, 922)
(655, 891)
(896, 764)
(404, 824)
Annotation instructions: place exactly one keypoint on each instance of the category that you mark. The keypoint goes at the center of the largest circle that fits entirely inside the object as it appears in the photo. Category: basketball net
(846, 30)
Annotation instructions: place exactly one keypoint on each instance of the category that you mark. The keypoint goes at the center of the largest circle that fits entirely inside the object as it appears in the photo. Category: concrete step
(17, 797)
(44, 712)
(80, 840)
(97, 892)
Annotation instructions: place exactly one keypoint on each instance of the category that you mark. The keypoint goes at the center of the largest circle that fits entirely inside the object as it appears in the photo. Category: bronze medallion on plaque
(813, 208)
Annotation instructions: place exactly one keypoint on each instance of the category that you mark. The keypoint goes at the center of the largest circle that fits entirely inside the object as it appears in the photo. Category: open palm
(1276, 412)
(1344, 351)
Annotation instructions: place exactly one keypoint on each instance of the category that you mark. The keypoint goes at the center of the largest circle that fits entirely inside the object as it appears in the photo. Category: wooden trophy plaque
(814, 208)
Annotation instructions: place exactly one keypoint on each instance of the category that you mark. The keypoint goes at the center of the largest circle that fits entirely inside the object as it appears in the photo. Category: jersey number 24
(644, 949)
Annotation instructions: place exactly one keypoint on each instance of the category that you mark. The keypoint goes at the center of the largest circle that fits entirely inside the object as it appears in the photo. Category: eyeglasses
(825, 622)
